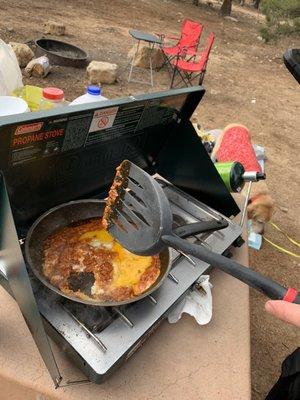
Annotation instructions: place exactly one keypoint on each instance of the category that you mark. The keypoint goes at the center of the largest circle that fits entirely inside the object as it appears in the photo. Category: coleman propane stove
(66, 155)
(99, 339)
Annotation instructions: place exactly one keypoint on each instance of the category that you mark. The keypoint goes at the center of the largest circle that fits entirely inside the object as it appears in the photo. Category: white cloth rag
(197, 303)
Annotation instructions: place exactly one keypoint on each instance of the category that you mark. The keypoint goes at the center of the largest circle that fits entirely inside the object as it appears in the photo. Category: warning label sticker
(103, 119)
(124, 124)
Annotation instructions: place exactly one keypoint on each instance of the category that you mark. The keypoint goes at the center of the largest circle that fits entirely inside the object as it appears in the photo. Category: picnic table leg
(133, 59)
(150, 62)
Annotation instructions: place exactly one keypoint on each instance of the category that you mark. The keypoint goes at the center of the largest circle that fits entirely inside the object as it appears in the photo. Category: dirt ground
(246, 82)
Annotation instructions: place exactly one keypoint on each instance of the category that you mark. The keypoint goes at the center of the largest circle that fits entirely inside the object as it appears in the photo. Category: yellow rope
(288, 237)
(280, 248)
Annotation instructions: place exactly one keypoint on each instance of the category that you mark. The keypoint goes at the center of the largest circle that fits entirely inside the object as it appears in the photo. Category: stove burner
(95, 318)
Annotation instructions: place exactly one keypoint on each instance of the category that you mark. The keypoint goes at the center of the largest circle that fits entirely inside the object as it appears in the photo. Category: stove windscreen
(55, 156)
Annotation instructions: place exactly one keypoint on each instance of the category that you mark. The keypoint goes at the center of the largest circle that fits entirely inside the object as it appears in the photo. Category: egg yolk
(102, 235)
(128, 267)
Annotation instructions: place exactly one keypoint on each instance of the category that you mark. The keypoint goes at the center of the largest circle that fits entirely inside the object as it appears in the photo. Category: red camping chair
(187, 43)
(189, 70)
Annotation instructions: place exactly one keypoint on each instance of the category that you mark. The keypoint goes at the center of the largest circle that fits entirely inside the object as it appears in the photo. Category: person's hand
(287, 312)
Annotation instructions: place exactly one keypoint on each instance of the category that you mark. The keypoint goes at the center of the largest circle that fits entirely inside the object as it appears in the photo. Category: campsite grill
(99, 339)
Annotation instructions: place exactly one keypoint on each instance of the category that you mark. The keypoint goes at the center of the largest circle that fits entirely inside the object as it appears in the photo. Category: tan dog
(261, 206)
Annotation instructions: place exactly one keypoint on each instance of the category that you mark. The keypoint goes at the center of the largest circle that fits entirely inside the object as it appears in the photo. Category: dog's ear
(251, 211)
(269, 205)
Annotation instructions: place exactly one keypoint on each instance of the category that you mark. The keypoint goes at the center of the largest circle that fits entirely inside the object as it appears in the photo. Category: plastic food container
(10, 105)
(93, 95)
(52, 98)
(31, 94)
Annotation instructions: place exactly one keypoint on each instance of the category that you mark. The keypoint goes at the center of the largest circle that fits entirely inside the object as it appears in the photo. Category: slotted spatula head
(137, 211)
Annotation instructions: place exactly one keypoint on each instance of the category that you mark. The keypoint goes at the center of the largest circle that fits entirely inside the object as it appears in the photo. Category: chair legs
(173, 77)
(168, 64)
(183, 76)
(187, 78)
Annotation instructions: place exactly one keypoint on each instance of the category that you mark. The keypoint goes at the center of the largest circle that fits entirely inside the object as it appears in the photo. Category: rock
(142, 58)
(38, 67)
(101, 72)
(54, 28)
(23, 53)
(231, 18)
(284, 209)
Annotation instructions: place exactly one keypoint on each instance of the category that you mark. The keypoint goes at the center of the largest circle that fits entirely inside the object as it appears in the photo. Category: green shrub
(282, 18)
(267, 34)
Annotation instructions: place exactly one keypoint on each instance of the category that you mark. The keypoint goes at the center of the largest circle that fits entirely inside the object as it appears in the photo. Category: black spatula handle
(267, 286)
(200, 227)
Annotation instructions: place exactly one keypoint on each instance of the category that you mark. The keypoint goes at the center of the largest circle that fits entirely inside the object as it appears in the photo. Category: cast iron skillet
(75, 211)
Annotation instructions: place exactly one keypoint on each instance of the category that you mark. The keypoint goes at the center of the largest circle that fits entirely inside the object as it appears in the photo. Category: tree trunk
(226, 8)
(256, 3)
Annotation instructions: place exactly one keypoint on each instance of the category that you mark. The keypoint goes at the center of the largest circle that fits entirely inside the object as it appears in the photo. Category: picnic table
(152, 41)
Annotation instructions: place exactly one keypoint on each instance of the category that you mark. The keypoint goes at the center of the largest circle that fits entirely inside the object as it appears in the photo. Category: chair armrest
(163, 36)
(172, 37)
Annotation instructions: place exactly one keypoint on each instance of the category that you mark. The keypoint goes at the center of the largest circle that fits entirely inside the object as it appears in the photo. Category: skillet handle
(267, 286)
(200, 227)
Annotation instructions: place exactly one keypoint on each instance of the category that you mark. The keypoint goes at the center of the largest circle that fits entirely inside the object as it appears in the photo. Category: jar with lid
(93, 94)
(52, 98)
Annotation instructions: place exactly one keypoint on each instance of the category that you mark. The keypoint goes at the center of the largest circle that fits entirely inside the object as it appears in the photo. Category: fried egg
(128, 267)
(99, 238)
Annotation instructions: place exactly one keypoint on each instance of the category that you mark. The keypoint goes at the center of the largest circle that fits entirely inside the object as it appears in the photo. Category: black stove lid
(55, 156)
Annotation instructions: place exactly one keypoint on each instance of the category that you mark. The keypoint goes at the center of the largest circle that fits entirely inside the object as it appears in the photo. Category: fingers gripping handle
(267, 286)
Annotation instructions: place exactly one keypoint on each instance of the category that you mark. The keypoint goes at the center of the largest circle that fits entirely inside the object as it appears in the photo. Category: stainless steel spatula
(138, 215)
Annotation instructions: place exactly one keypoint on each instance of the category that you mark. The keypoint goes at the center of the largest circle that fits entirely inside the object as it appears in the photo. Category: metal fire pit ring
(61, 53)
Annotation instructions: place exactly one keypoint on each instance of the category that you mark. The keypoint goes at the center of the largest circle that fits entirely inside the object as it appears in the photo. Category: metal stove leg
(14, 270)
(246, 204)
(76, 383)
